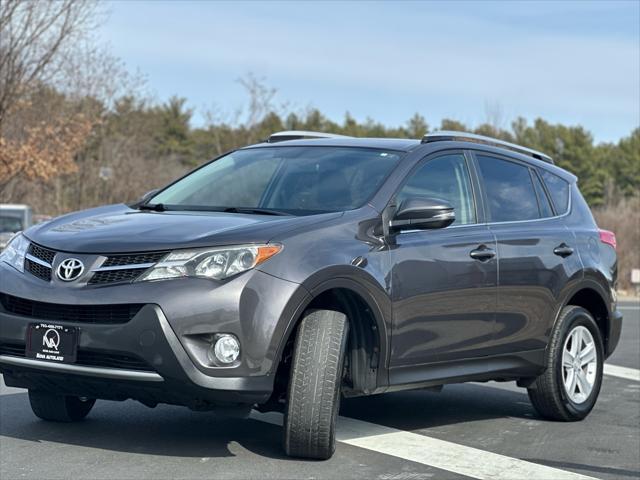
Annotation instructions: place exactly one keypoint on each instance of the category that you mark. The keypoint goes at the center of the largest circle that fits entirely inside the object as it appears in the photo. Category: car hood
(121, 229)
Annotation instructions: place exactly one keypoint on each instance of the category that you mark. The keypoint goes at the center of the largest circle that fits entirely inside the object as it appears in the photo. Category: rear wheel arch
(590, 295)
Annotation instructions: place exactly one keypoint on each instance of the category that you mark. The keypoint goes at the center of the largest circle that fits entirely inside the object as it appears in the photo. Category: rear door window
(509, 190)
(558, 189)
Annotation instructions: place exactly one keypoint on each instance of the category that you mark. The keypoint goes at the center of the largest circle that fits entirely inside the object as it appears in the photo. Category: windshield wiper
(259, 211)
(155, 207)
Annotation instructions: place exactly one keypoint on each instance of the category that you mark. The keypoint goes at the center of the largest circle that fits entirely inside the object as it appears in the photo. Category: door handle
(563, 250)
(482, 253)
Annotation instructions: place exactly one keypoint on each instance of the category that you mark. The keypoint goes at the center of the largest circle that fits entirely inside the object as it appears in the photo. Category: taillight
(608, 237)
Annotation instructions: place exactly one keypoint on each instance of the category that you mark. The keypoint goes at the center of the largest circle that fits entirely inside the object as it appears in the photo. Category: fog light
(226, 349)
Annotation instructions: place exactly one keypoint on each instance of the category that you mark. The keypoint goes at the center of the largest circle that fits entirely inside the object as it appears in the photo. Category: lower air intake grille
(14, 350)
(89, 358)
(116, 313)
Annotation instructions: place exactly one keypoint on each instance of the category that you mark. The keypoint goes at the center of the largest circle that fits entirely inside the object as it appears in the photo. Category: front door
(443, 281)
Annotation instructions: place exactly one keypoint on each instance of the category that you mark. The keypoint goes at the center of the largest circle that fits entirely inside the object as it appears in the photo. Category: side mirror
(418, 213)
(148, 195)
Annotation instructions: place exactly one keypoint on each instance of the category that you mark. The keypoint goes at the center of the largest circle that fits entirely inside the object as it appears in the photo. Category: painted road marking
(432, 452)
(622, 372)
(441, 454)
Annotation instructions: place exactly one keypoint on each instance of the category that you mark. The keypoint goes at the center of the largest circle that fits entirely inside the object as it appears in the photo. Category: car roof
(442, 141)
(398, 144)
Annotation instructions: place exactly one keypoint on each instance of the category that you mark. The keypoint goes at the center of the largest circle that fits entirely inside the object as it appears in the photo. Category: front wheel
(59, 408)
(568, 389)
(314, 386)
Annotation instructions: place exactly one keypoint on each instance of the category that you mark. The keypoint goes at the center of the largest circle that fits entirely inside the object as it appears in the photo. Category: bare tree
(260, 102)
(494, 115)
(34, 36)
(39, 133)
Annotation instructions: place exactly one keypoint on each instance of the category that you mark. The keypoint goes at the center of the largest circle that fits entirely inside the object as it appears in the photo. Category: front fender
(357, 281)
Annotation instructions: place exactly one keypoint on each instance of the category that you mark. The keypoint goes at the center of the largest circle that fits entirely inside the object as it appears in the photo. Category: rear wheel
(569, 388)
(314, 386)
(59, 408)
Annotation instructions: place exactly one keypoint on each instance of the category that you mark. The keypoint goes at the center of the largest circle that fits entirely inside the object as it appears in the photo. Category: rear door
(535, 250)
(443, 298)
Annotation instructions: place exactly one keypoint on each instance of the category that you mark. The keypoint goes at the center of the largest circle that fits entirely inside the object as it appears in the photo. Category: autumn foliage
(44, 150)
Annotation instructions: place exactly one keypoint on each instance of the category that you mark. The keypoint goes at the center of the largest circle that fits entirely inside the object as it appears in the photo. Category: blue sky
(575, 62)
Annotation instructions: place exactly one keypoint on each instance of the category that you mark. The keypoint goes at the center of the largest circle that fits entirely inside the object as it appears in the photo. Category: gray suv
(285, 275)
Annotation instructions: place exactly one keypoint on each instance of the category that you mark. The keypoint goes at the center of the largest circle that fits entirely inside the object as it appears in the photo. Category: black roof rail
(299, 135)
(481, 139)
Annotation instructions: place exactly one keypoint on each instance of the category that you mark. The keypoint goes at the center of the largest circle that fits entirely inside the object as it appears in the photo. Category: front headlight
(14, 252)
(214, 263)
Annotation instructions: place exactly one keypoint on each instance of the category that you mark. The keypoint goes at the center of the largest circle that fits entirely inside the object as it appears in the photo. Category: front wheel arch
(370, 331)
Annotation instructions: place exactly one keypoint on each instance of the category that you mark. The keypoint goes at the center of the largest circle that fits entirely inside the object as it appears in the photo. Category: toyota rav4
(288, 274)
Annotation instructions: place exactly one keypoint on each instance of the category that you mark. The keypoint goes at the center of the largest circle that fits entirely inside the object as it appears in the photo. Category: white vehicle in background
(13, 218)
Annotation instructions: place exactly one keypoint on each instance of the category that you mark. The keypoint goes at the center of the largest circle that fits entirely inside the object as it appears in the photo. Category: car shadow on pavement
(176, 431)
(133, 428)
(423, 409)
(589, 469)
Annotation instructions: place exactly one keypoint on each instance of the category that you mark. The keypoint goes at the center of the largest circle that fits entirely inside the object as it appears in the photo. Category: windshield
(10, 224)
(293, 180)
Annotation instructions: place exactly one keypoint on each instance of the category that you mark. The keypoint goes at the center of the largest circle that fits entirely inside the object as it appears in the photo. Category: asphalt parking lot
(466, 431)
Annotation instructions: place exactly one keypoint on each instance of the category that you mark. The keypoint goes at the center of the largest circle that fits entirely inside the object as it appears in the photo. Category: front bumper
(165, 373)
(154, 356)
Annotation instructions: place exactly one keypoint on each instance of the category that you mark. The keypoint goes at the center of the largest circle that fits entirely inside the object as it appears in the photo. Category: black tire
(59, 408)
(314, 386)
(548, 394)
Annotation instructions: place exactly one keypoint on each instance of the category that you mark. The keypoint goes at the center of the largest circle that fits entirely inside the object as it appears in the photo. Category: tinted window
(558, 189)
(510, 192)
(297, 180)
(10, 224)
(543, 200)
(445, 178)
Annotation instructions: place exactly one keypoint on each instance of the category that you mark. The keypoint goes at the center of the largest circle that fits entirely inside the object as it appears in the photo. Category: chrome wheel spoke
(576, 341)
(570, 382)
(583, 384)
(579, 360)
(588, 354)
(567, 359)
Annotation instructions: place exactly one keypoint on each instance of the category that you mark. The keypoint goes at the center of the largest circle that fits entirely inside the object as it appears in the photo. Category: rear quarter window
(558, 189)
(543, 200)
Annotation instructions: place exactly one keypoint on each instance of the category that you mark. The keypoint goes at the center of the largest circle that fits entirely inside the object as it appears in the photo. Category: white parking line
(440, 454)
(4, 390)
(622, 372)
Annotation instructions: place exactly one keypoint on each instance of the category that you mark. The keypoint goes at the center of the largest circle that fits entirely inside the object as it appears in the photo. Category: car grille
(133, 259)
(116, 313)
(40, 271)
(44, 254)
(115, 276)
(112, 270)
(89, 358)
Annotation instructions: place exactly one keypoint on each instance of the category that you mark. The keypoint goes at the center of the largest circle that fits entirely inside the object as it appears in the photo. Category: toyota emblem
(70, 269)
